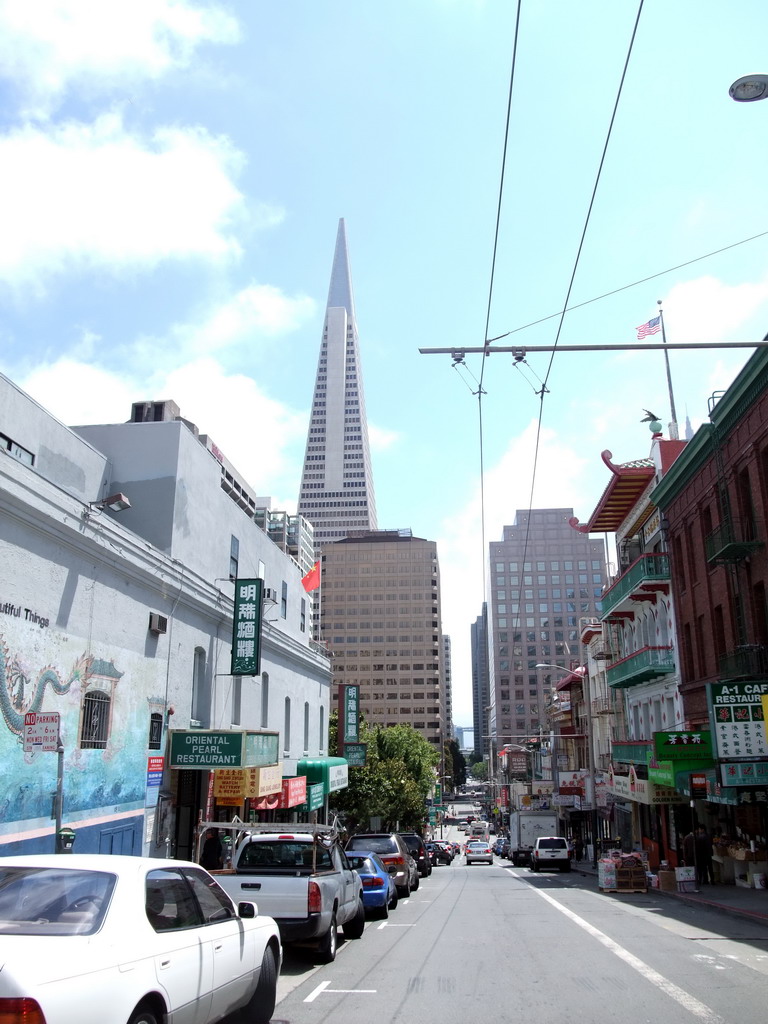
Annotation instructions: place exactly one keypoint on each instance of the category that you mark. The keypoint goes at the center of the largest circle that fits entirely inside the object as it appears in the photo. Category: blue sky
(171, 178)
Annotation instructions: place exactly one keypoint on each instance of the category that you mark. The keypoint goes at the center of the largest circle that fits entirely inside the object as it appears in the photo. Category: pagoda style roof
(628, 481)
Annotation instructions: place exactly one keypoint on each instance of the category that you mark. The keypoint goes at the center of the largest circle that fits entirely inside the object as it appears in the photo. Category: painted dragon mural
(19, 693)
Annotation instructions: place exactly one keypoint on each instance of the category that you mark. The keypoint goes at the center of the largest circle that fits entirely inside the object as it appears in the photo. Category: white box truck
(525, 827)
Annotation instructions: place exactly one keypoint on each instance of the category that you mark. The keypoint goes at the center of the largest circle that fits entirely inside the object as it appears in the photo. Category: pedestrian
(578, 849)
(705, 871)
(689, 850)
(211, 856)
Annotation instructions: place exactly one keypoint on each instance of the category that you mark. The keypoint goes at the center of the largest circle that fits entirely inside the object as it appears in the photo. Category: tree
(455, 765)
(394, 782)
(479, 771)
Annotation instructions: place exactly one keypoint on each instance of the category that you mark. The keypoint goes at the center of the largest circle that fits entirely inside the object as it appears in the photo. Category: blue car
(379, 890)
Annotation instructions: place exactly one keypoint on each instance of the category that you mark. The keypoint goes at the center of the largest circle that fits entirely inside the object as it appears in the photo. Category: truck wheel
(353, 928)
(565, 867)
(261, 1006)
(327, 945)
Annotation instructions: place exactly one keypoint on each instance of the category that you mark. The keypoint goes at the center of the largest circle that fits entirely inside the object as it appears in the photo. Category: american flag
(652, 327)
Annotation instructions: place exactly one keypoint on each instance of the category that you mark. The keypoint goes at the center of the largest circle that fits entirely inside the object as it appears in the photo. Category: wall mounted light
(115, 502)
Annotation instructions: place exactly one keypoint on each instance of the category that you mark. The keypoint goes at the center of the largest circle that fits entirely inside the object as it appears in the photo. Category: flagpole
(673, 431)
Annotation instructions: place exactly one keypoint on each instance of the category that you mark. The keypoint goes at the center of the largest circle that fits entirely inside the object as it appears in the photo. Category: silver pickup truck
(300, 878)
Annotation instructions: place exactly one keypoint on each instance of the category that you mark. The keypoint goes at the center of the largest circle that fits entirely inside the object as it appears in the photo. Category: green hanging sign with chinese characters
(246, 628)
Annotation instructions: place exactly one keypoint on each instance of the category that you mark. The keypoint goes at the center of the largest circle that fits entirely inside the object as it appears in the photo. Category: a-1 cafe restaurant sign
(738, 721)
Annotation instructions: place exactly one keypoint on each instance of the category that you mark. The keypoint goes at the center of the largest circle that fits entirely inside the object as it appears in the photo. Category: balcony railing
(602, 706)
(640, 666)
(732, 541)
(748, 662)
(652, 568)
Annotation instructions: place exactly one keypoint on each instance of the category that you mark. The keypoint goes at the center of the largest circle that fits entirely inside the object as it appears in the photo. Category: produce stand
(622, 872)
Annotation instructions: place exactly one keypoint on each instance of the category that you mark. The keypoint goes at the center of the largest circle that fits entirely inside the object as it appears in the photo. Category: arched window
(287, 726)
(155, 730)
(264, 700)
(94, 728)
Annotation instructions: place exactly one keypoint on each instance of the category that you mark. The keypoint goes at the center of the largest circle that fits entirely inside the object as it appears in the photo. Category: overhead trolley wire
(487, 343)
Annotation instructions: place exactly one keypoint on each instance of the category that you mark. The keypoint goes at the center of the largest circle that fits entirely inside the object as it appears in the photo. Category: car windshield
(53, 901)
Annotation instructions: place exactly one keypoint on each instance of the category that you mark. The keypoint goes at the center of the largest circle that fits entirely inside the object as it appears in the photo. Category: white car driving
(90, 938)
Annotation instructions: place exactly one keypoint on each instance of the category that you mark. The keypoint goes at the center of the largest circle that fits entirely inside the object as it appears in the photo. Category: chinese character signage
(736, 713)
(745, 773)
(246, 628)
(349, 709)
(683, 745)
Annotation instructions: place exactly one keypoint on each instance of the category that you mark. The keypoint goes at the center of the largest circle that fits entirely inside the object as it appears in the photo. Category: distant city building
(293, 534)
(447, 687)
(380, 618)
(465, 737)
(481, 684)
(545, 579)
(337, 494)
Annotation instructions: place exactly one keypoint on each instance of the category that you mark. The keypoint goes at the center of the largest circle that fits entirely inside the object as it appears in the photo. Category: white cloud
(257, 434)
(381, 439)
(83, 196)
(708, 309)
(258, 310)
(47, 45)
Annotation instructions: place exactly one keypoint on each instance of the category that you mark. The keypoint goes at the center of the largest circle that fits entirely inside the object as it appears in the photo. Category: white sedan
(89, 938)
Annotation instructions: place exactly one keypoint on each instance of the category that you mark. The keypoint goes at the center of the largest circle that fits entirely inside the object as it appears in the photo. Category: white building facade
(121, 623)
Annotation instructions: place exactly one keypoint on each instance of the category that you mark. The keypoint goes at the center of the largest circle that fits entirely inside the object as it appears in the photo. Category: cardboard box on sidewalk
(667, 881)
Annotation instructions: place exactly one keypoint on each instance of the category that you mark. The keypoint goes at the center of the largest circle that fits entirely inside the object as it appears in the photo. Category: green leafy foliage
(395, 781)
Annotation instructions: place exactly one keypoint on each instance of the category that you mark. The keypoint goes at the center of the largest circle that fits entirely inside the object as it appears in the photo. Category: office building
(380, 615)
(337, 483)
(545, 578)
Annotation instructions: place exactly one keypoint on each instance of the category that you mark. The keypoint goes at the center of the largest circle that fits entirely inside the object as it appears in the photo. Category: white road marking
(685, 999)
(389, 924)
(323, 987)
(316, 991)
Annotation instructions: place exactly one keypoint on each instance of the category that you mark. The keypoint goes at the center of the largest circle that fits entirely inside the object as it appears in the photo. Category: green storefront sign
(315, 798)
(683, 745)
(222, 748)
(355, 754)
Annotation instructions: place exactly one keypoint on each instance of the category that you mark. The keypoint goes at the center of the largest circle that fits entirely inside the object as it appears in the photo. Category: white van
(479, 830)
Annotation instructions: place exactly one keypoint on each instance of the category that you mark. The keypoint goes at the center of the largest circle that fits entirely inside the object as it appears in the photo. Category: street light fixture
(749, 88)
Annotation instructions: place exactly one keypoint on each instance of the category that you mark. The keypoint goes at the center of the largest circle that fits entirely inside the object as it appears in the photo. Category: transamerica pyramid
(337, 484)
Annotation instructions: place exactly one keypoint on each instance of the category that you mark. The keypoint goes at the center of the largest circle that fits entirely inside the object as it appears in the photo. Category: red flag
(312, 580)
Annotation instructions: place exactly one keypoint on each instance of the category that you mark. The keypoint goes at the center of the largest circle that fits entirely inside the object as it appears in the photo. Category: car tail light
(372, 883)
(394, 861)
(314, 900)
(21, 1011)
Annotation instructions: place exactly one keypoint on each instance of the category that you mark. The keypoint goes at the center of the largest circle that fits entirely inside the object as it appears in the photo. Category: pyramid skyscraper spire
(337, 483)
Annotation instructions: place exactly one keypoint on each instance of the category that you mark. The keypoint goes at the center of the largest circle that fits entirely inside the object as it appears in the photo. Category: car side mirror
(247, 910)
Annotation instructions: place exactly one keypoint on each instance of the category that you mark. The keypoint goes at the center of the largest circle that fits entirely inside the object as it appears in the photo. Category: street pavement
(734, 900)
(501, 943)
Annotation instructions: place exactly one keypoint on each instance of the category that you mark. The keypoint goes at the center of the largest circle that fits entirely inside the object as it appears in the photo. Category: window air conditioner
(270, 594)
(157, 623)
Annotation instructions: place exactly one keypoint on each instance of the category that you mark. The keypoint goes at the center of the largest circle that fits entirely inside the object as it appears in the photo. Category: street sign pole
(59, 789)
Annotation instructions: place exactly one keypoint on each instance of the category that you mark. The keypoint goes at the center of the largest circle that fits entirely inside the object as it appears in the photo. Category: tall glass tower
(337, 483)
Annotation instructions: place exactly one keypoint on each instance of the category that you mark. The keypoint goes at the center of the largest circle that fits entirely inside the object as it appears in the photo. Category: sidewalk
(748, 904)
